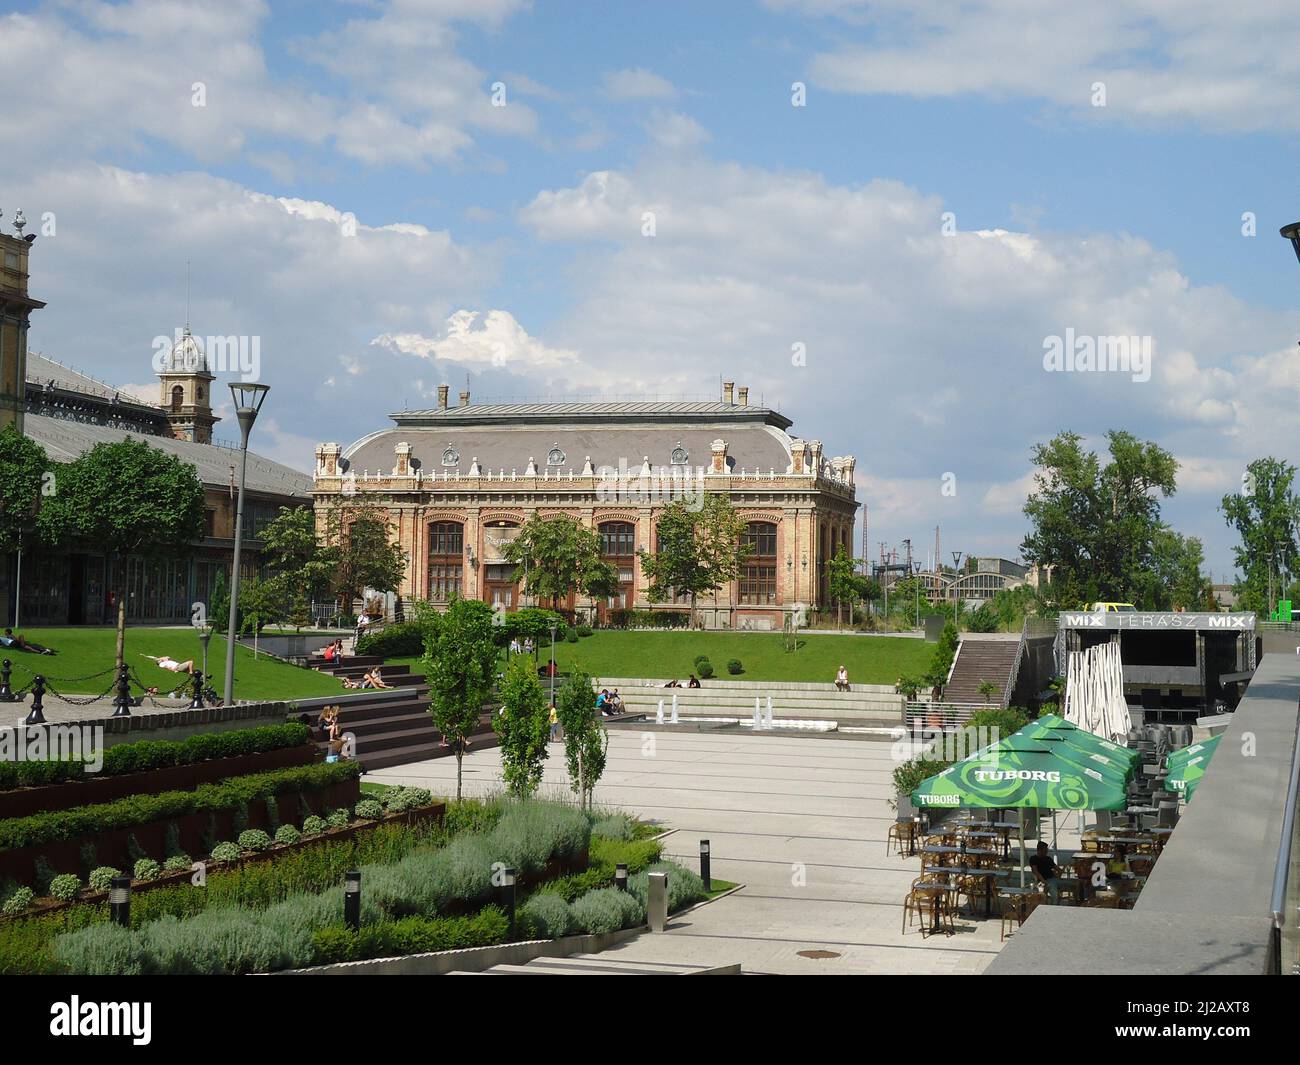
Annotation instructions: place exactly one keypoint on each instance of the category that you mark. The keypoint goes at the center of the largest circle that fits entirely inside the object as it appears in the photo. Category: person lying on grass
(171, 665)
(10, 639)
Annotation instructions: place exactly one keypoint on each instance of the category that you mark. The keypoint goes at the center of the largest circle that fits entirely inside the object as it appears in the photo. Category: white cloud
(675, 131)
(637, 83)
(474, 340)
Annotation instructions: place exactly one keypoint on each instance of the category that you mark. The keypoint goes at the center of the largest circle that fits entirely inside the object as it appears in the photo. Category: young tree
(846, 584)
(1264, 513)
(363, 556)
(459, 661)
(556, 556)
(23, 464)
(697, 551)
(586, 743)
(524, 727)
(126, 498)
(301, 569)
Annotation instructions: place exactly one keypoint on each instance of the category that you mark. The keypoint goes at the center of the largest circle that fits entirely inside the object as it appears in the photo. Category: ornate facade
(458, 482)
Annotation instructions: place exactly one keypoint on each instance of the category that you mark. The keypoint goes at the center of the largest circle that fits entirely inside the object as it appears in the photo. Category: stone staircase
(392, 726)
(981, 658)
(867, 705)
(595, 965)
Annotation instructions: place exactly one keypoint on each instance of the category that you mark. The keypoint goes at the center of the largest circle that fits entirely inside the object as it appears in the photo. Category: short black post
(352, 900)
(6, 692)
(705, 875)
(196, 694)
(620, 876)
(508, 896)
(36, 715)
(119, 901)
(122, 701)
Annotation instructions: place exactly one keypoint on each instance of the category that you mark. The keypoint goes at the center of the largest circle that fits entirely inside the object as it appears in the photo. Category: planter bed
(433, 812)
(22, 802)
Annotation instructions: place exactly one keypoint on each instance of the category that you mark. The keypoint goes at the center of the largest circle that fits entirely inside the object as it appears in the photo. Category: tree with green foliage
(697, 551)
(460, 662)
(300, 568)
(1098, 525)
(558, 555)
(23, 482)
(1265, 514)
(128, 499)
(586, 743)
(1177, 579)
(355, 538)
(523, 724)
(945, 651)
(845, 583)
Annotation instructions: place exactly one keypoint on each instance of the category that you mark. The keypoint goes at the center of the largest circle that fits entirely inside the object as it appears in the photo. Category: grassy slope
(663, 655)
(85, 650)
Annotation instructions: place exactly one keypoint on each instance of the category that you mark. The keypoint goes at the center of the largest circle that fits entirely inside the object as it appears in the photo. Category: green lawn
(86, 650)
(664, 655)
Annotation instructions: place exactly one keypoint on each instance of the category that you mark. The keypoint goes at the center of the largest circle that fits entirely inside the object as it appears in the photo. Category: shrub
(544, 916)
(19, 901)
(44, 873)
(607, 910)
(410, 935)
(369, 809)
(338, 819)
(700, 658)
(287, 834)
(911, 773)
(734, 667)
(616, 826)
(226, 852)
(684, 887)
(402, 799)
(402, 639)
(571, 634)
(705, 669)
(172, 840)
(314, 826)
(89, 856)
(65, 887)
(100, 950)
(143, 808)
(176, 863)
(146, 869)
(584, 630)
(101, 879)
(254, 839)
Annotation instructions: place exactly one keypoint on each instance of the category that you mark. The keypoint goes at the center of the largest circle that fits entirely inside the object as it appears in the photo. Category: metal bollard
(119, 901)
(352, 900)
(620, 876)
(36, 715)
(656, 909)
(122, 701)
(196, 691)
(705, 875)
(6, 692)
(508, 897)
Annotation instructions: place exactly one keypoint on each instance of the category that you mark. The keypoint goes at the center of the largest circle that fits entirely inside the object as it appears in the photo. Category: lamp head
(1292, 233)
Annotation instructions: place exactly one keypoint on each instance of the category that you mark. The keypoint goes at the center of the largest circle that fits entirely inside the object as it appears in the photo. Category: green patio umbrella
(1075, 747)
(1186, 773)
(1183, 754)
(1051, 724)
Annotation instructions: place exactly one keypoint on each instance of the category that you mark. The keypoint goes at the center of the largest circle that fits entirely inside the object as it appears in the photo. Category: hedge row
(142, 809)
(402, 639)
(148, 755)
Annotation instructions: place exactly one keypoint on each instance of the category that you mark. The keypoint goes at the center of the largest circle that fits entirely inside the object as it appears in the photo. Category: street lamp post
(249, 397)
(956, 592)
(553, 629)
(205, 637)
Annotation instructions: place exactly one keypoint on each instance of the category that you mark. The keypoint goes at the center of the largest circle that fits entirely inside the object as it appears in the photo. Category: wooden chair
(916, 905)
(900, 833)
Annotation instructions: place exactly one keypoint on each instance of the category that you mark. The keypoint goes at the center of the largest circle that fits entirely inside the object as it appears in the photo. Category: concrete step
(731, 684)
(589, 965)
(422, 752)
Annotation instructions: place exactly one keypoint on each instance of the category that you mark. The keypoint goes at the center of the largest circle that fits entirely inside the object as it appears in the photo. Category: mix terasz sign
(1154, 620)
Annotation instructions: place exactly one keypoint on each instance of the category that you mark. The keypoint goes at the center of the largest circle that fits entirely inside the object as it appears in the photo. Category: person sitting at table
(1046, 872)
(1118, 863)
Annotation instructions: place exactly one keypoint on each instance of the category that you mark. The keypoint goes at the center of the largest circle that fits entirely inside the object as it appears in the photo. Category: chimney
(719, 464)
(744, 395)
(442, 397)
(464, 399)
(727, 387)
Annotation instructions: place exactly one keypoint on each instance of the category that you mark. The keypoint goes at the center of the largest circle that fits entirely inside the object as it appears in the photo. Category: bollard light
(36, 715)
(352, 900)
(620, 876)
(6, 692)
(119, 901)
(508, 896)
(657, 902)
(122, 700)
(705, 875)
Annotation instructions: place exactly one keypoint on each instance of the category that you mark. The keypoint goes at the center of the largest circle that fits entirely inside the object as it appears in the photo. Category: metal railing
(1285, 902)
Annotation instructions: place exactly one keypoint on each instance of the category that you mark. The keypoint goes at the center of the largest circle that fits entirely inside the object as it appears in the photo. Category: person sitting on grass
(1046, 872)
(10, 639)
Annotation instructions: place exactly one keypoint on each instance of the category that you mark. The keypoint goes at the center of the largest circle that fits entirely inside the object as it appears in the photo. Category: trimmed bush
(144, 808)
(705, 669)
(314, 826)
(176, 863)
(369, 809)
(338, 819)
(684, 887)
(571, 635)
(734, 667)
(410, 935)
(607, 910)
(254, 839)
(19, 901)
(544, 916)
(100, 950)
(101, 879)
(146, 869)
(65, 887)
(616, 826)
(287, 834)
(226, 852)
(584, 630)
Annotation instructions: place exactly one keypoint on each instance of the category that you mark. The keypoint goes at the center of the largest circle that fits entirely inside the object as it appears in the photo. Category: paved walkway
(801, 822)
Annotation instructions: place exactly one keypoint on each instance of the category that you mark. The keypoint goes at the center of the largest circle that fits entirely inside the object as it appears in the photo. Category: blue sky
(505, 243)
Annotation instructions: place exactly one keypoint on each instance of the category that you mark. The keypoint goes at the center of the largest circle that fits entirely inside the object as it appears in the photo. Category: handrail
(1015, 666)
(1281, 873)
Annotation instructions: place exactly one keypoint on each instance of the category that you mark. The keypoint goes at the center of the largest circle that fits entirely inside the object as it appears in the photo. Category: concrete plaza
(800, 822)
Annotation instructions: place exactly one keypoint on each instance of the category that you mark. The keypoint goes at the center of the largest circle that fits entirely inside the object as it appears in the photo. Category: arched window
(178, 397)
(446, 550)
(758, 579)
